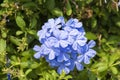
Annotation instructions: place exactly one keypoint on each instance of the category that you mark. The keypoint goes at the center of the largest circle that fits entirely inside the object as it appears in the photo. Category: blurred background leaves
(21, 19)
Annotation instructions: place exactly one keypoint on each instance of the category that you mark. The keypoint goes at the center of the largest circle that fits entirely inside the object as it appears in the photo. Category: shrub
(20, 20)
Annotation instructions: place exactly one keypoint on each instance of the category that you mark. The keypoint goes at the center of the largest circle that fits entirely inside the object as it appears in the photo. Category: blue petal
(71, 67)
(63, 35)
(46, 50)
(46, 26)
(70, 40)
(39, 32)
(51, 55)
(60, 69)
(63, 43)
(60, 58)
(51, 41)
(63, 68)
(57, 51)
(91, 43)
(37, 55)
(75, 20)
(51, 22)
(91, 53)
(80, 58)
(66, 56)
(73, 55)
(74, 46)
(67, 63)
(57, 21)
(74, 32)
(82, 49)
(79, 66)
(86, 60)
(56, 33)
(69, 22)
(54, 63)
(67, 70)
(78, 25)
(37, 48)
(67, 28)
(82, 41)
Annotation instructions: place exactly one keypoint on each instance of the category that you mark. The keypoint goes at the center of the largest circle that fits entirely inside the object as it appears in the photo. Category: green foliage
(21, 19)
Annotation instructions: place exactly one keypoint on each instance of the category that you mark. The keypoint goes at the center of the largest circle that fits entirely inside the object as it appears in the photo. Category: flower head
(64, 45)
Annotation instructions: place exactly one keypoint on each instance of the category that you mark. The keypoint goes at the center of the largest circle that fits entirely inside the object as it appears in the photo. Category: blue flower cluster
(64, 45)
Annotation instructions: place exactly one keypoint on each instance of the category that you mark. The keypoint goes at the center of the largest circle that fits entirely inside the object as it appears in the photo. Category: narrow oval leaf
(93, 23)
(102, 68)
(2, 45)
(68, 8)
(114, 70)
(19, 33)
(50, 4)
(15, 40)
(90, 36)
(33, 22)
(20, 22)
(28, 71)
(57, 12)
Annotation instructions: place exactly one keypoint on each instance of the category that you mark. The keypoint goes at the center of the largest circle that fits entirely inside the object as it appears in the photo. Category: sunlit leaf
(114, 70)
(20, 22)
(2, 45)
(68, 8)
(57, 12)
(91, 35)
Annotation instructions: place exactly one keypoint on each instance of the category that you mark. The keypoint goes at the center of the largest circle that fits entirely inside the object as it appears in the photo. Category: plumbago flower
(64, 45)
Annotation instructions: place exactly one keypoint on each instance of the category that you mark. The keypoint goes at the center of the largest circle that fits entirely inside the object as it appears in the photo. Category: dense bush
(21, 19)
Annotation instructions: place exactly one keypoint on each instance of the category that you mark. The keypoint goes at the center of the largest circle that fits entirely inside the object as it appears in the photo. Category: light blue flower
(63, 57)
(74, 23)
(38, 50)
(87, 56)
(61, 37)
(75, 63)
(64, 45)
(86, 52)
(64, 67)
(79, 41)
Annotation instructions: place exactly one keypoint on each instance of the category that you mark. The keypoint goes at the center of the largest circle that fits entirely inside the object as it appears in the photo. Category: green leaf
(27, 53)
(94, 23)
(2, 45)
(34, 65)
(15, 40)
(30, 5)
(68, 8)
(19, 33)
(32, 32)
(4, 34)
(28, 71)
(57, 12)
(88, 1)
(113, 58)
(24, 64)
(33, 22)
(118, 23)
(114, 70)
(68, 77)
(91, 35)
(20, 22)
(102, 68)
(50, 4)
(92, 76)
